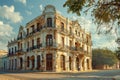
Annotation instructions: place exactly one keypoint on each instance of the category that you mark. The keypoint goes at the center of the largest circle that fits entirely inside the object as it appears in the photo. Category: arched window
(62, 59)
(49, 40)
(62, 26)
(49, 22)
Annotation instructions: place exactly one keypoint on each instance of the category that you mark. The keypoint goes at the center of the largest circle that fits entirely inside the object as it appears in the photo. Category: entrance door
(77, 63)
(33, 62)
(38, 62)
(49, 62)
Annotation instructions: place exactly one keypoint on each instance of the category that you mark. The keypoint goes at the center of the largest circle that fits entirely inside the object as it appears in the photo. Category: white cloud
(9, 14)
(28, 12)
(41, 7)
(22, 1)
(6, 33)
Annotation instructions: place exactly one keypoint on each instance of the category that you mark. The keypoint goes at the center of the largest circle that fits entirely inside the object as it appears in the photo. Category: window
(12, 50)
(49, 22)
(63, 41)
(15, 49)
(21, 35)
(28, 44)
(76, 32)
(70, 44)
(18, 45)
(79, 34)
(33, 28)
(70, 30)
(49, 40)
(38, 26)
(82, 35)
(62, 26)
(38, 42)
(27, 31)
(33, 43)
(9, 51)
(21, 46)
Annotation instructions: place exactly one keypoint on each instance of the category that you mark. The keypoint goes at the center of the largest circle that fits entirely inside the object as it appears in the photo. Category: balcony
(20, 52)
(63, 31)
(34, 47)
(10, 54)
(19, 38)
(77, 49)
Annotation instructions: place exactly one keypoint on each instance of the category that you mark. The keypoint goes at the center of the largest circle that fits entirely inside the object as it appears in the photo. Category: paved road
(93, 75)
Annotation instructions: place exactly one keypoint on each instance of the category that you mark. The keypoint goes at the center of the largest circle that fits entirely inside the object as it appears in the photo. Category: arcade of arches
(49, 62)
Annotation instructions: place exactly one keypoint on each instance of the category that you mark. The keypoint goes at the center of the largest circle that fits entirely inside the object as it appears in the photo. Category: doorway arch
(62, 62)
(33, 62)
(49, 62)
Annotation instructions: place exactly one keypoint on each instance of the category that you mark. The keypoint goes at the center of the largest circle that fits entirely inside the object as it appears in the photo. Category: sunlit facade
(50, 42)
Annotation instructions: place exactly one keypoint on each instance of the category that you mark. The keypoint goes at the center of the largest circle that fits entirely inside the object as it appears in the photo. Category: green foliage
(103, 57)
(104, 12)
(118, 53)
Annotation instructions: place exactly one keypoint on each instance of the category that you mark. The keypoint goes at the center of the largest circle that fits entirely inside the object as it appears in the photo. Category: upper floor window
(18, 45)
(27, 31)
(38, 41)
(63, 41)
(70, 30)
(12, 50)
(21, 34)
(49, 40)
(70, 43)
(79, 34)
(62, 25)
(28, 44)
(9, 51)
(38, 26)
(33, 28)
(15, 49)
(21, 46)
(49, 22)
(76, 32)
(32, 42)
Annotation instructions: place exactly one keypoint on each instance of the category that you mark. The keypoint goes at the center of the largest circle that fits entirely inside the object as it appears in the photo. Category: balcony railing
(38, 30)
(76, 48)
(34, 47)
(19, 38)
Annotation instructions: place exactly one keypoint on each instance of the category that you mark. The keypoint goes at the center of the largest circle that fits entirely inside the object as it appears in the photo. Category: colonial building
(50, 42)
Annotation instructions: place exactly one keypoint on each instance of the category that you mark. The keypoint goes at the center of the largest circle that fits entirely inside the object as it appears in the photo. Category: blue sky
(14, 13)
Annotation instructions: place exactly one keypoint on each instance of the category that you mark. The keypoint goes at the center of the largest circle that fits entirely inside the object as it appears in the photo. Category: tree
(106, 13)
(103, 57)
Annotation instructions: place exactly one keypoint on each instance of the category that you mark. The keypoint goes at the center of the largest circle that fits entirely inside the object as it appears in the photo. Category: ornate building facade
(50, 42)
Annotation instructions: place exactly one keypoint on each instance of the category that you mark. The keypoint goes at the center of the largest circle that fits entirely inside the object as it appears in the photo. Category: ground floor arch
(38, 62)
(33, 62)
(62, 62)
(49, 62)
